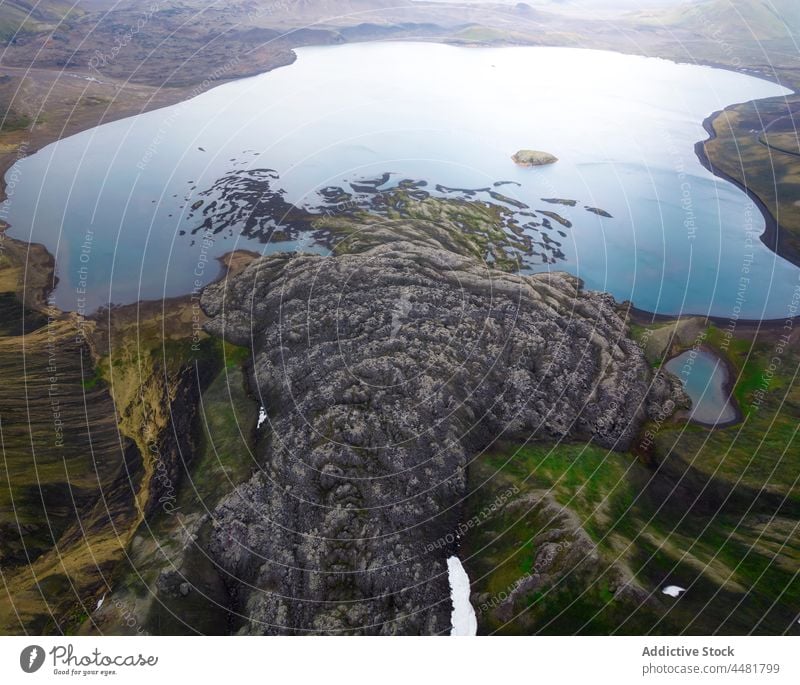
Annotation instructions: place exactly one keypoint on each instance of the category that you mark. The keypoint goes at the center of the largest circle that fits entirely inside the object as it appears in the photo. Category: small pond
(705, 378)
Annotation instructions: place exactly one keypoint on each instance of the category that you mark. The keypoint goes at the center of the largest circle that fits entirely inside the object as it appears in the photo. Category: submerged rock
(560, 201)
(599, 212)
(382, 373)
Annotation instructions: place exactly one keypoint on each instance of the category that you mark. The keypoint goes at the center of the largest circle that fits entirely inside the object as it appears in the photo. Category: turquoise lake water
(704, 377)
(114, 203)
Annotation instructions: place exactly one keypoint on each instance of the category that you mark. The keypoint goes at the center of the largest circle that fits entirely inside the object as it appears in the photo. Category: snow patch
(673, 590)
(463, 619)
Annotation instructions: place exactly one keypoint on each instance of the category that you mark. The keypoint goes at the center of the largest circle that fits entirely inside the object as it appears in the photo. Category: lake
(705, 379)
(117, 204)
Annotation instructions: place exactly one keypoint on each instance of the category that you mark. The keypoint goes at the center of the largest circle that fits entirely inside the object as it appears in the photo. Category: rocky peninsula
(383, 371)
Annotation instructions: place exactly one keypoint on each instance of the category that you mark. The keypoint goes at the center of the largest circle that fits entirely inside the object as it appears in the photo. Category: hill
(19, 16)
(737, 19)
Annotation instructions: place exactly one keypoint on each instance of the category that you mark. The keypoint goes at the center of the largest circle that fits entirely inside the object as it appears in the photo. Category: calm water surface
(115, 203)
(704, 377)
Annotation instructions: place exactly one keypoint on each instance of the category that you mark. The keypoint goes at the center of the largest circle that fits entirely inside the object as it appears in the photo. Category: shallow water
(114, 203)
(704, 377)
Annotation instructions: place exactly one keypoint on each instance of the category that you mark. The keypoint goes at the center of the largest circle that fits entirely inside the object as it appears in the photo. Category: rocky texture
(660, 343)
(382, 372)
(533, 158)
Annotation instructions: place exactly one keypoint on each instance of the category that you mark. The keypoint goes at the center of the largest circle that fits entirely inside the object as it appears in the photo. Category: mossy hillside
(69, 476)
(771, 174)
(170, 541)
(20, 18)
(661, 341)
(638, 533)
(146, 354)
(227, 422)
(764, 451)
(763, 363)
(79, 502)
(579, 592)
(467, 228)
(746, 475)
(174, 499)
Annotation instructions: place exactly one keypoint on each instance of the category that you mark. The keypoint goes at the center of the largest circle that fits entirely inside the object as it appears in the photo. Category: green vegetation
(739, 152)
(223, 459)
(747, 357)
(483, 34)
(14, 121)
(476, 229)
(227, 419)
(20, 17)
(636, 532)
(541, 544)
(713, 511)
(772, 20)
(763, 451)
(66, 472)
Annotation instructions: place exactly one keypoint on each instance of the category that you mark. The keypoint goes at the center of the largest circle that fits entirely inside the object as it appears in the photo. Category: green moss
(14, 121)
(656, 533)
(763, 452)
(746, 357)
(227, 421)
(92, 381)
(485, 231)
(234, 355)
(174, 354)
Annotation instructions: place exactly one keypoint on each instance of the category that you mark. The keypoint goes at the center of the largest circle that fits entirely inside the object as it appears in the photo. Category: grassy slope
(67, 512)
(20, 17)
(67, 474)
(576, 593)
(751, 19)
(689, 512)
(224, 459)
(764, 451)
(772, 175)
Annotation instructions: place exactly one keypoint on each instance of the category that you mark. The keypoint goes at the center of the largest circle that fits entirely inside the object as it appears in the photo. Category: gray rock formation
(382, 372)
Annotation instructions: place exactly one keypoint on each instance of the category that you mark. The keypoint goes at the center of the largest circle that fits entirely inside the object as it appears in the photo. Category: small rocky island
(533, 158)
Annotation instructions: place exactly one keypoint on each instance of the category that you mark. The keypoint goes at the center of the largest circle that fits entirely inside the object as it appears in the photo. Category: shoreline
(772, 229)
(732, 374)
(643, 317)
(233, 262)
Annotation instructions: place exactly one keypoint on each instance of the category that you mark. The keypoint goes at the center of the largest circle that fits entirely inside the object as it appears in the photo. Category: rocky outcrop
(382, 372)
(533, 158)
